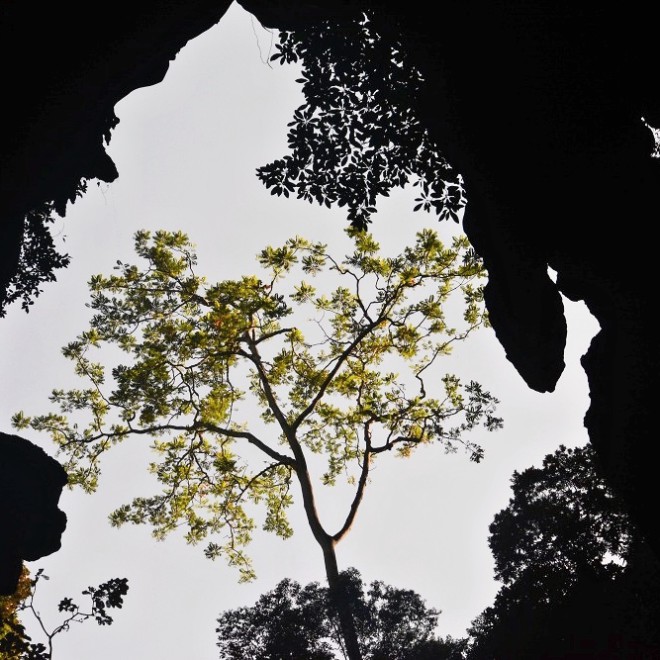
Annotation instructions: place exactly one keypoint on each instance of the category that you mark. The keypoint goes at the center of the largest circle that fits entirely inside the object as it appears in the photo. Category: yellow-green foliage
(198, 354)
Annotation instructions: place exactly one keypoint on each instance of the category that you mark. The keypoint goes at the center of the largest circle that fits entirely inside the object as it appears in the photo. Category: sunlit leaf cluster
(346, 371)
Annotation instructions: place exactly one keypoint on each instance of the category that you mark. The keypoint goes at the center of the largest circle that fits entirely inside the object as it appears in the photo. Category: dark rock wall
(65, 66)
(539, 106)
(31, 526)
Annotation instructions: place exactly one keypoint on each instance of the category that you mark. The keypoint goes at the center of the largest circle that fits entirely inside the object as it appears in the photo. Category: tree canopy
(357, 135)
(351, 388)
(299, 623)
(561, 515)
(576, 574)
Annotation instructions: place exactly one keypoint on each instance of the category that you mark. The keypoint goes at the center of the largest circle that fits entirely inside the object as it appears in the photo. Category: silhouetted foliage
(577, 577)
(357, 135)
(16, 644)
(38, 260)
(288, 622)
(299, 623)
(563, 516)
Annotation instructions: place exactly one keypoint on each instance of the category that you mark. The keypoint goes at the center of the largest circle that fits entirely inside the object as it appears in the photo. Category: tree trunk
(338, 595)
(340, 600)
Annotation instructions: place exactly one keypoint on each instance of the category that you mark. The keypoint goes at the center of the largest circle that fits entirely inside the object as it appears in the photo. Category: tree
(16, 644)
(332, 394)
(570, 561)
(299, 623)
(289, 622)
(563, 515)
(357, 135)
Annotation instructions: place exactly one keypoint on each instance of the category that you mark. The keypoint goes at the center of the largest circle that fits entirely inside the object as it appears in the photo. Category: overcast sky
(186, 150)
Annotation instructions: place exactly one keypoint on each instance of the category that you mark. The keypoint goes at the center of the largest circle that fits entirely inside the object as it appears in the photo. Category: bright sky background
(186, 150)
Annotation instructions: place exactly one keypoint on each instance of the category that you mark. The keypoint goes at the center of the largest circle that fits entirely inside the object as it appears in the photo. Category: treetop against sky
(199, 351)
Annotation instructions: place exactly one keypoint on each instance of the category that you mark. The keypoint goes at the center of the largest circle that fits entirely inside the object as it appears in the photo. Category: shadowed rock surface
(31, 483)
(538, 105)
(65, 69)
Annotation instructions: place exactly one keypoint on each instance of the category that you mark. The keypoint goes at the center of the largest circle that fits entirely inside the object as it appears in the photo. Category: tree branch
(270, 335)
(333, 372)
(253, 440)
(255, 358)
(230, 433)
(389, 445)
(362, 484)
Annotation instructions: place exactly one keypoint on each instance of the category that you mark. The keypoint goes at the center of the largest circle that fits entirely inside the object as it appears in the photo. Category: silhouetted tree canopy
(562, 517)
(357, 135)
(292, 622)
(576, 574)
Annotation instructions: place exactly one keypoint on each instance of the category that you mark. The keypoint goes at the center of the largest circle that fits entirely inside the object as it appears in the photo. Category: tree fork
(338, 596)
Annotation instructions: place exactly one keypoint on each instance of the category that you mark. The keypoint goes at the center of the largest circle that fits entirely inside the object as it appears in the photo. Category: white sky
(186, 150)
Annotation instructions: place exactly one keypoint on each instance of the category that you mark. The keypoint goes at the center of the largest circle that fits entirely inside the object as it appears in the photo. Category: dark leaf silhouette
(16, 644)
(357, 136)
(299, 623)
(38, 260)
(577, 576)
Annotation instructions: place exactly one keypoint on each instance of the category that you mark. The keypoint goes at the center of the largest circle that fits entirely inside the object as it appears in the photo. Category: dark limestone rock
(31, 483)
(65, 69)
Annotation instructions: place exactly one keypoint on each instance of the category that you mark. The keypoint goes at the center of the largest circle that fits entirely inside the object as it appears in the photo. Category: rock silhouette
(32, 524)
